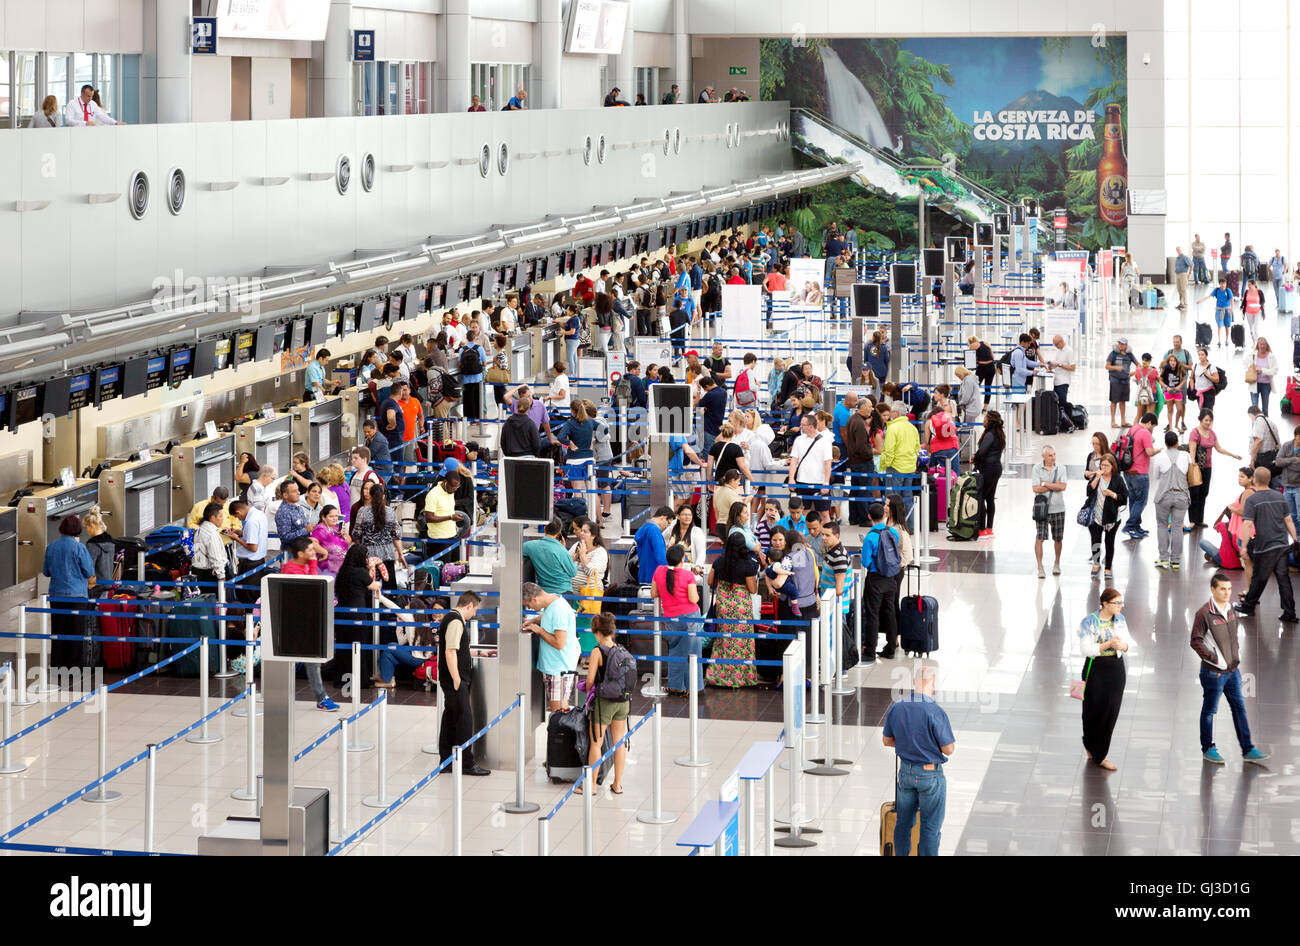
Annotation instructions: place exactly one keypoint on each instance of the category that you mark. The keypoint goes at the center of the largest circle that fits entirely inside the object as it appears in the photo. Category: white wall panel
(806, 16)
(944, 16)
(65, 24)
(180, 246)
(210, 89)
(135, 242)
(1083, 16)
(130, 25)
(271, 89)
(24, 25)
(99, 25)
(45, 164)
(279, 153)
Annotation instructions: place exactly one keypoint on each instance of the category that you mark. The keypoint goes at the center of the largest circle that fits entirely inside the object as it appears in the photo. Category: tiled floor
(1016, 785)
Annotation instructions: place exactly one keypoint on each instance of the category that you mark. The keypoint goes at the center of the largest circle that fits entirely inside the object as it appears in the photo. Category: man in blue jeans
(1214, 638)
(917, 728)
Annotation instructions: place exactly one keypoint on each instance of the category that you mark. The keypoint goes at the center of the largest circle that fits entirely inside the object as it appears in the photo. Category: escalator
(884, 172)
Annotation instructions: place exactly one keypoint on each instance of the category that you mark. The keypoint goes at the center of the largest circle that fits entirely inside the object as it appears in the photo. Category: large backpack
(1222, 382)
(448, 384)
(963, 510)
(471, 362)
(1124, 452)
(618, 678)
(889, 562)
(745, 396)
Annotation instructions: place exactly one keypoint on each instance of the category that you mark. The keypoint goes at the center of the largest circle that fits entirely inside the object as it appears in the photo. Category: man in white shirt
(1063, 363)
(810, 464)
(260, 491)
(83, 110)
(1169, 489)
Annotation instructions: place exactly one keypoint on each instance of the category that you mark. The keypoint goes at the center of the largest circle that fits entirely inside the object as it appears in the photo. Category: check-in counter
(39, 516)
(136, 497)
(8, 547)
(269, 441)
(199, 467)
(318, 429)
(521, 358)
(354, 415)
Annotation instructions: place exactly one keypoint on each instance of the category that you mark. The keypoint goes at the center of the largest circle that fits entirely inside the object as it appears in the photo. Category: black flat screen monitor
(437, 292)
(108, 383)
(902, 279)
(1017, 216)
(955, 247)
(527, 490)
(670, 410)
(1002, 224)
(180, 365)
(58, 396)
(475, 286)
(656, 241)
(983, 234)
(319, 329)
(135, 377)
(26, 406)
(932, 263)
(156, 371)
(265, 345)
(368, 318)
(205, 357)
(298, 337)
(245, 347)
(81, 392)
(221, 353)
(866, 300)
(300, 609)
(455, 290)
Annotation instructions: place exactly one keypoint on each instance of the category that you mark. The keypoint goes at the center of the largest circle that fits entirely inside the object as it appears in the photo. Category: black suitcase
(1045, 410)
(566, 745)
(1078, 416)
(918, 620)
(933, 510)
(1063, 423)
(1204, 333)
(1238, 332)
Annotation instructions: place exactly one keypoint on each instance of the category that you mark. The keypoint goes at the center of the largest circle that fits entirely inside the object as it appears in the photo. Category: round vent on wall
(730, 134)
(175, 190)
(343, 173)
(485, 160)
(600, 150)
(367, 171)
(503, 159)
(138, 194)
(668, 141)
(677, 141)
(735, 135)
(586, 150)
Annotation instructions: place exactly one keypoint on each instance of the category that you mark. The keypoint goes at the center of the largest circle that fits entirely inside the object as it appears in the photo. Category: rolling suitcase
(889, 820)
(566, 745)
(1045, 411)
(117, 620)
(194, 617)
(1238, 333)
(1135, 298)
(1234, 282)
(1151, 297)
(1286, 301)
(1204, 333)
(918, 620)
(941, 485)
(964, 507)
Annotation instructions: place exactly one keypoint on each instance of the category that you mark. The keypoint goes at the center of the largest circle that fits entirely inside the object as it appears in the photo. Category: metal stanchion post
(797, 816)
(150, 777)
(102, 794)
(656, 815)
(223, 667)
(588, 826)
(519, 806)
(250, 704)
(203, 737)
(42, 686)
(381, 799)
(840, 682)
(543, 837)
(923, 556)
(749, 817)
(655, 690)
(769, 803)
(342, 801)
(250, 790)
(357, 745)
(7, 765)
(456, 800)
(814, 714)
(20, 695)
(693, 760)
(431, 748)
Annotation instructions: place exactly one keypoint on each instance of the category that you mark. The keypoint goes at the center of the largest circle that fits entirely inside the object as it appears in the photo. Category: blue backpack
(888, 562)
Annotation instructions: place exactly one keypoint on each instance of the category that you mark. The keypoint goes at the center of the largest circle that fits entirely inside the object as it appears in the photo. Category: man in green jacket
(898, 456)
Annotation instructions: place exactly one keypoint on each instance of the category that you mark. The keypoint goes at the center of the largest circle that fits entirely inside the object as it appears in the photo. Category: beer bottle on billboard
(1112, 172)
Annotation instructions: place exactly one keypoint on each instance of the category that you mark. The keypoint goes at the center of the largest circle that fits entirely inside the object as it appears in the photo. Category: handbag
(1077, 686)
(1194, 477)
(1040, 507)
(1252, 373)
(497, 375)
(1084, 518)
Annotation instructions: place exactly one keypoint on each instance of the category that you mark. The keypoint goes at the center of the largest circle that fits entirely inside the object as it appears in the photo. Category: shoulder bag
(1077, 686)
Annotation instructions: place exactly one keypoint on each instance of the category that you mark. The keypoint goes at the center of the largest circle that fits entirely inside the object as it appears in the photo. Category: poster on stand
(742, 317)
(806, 283)
(1063, 292)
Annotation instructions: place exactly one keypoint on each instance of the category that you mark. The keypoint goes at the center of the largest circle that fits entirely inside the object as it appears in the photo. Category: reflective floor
(1016, 785)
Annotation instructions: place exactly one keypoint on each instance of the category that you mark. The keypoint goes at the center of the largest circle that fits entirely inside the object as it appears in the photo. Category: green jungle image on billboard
(1020, 117)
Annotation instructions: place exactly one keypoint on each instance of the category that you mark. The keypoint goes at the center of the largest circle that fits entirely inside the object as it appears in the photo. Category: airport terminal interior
(649, 427)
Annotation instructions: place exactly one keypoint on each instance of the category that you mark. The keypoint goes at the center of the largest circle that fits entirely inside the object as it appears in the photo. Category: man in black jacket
(519, 435)
(1214, 638)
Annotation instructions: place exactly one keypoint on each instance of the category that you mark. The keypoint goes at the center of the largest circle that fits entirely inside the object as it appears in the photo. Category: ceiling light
(470, 251)
(645, 211)
(688, 203)
(398, 266)
(536, 235)
(591, 224)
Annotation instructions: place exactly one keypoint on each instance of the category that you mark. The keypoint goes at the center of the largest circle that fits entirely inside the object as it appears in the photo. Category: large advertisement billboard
(1024, 117)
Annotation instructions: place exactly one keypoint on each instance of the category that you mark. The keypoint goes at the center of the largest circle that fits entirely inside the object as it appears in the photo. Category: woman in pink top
(1201, 444)
(330, 537)
(941, 434)
(674, 588)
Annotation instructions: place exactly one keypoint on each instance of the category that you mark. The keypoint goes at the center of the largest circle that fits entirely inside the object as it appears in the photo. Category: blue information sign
(363, 45)
(203, 32)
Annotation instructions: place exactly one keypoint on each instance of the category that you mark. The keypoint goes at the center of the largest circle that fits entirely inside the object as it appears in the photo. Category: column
(548, 56)
(453, 93)
(624, 71)
(333, 65)
(681, 54)
(166, 62)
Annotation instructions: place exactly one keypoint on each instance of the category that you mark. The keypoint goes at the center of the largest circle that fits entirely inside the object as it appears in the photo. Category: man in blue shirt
(392, 421)
(795, 519)
(376, 443)
(1223, 309)
(1277, 272)
(840, 418)
(918, 730)
(714, 404)
(637, 385)
(316, 375)
(651, 551)
(880, 591)
(697, 283)
(1022, 366)
(516, 103)
(1182, 267)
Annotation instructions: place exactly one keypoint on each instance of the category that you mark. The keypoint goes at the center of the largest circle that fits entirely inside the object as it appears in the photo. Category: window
(647, 84)
(106, 81)
(392, 88)
(496, 83)
(56, 76)
(6, 98)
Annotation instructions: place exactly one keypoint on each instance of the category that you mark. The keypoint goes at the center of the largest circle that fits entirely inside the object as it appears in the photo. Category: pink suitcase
(942, 488)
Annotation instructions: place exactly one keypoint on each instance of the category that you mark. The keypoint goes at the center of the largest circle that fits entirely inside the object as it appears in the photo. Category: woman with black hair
(674, 588)
(376, 530)
(734, 580)
(988, 463)
(246, 471)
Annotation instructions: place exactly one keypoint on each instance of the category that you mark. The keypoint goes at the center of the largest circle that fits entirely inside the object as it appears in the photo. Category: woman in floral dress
(734, 581)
